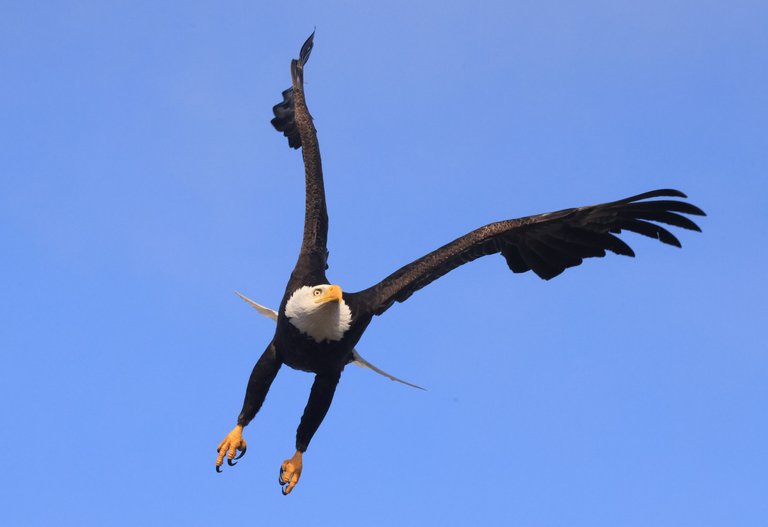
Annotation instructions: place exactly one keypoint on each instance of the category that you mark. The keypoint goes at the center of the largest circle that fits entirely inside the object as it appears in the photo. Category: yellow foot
(229, 447)
(290, 472)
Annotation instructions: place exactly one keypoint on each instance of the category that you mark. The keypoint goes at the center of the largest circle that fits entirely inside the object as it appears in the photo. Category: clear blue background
(141, 185)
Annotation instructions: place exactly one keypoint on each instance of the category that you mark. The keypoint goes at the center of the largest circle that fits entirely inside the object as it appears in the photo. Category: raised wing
(285, 118)
(547, 244)
(292, 118)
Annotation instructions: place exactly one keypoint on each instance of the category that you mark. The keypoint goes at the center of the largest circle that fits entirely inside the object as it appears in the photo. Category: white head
(319, 311)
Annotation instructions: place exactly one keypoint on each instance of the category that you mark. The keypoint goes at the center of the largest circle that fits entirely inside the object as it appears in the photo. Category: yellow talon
(229, 446)
(290, 472)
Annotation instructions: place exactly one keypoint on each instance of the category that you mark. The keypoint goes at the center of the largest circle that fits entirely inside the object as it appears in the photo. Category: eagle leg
(290, 472)
(229, 446)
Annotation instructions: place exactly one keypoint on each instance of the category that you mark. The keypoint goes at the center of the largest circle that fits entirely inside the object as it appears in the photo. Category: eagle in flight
(319, 324)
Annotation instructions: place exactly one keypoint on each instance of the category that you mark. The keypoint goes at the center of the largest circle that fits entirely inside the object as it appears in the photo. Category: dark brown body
(546, 244)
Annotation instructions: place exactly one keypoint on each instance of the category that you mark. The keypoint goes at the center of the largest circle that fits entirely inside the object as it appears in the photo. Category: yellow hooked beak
(333, 294)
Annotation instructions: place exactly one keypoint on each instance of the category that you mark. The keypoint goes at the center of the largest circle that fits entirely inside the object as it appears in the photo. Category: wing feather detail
(546, 244)
(293, 119)
(285, 111)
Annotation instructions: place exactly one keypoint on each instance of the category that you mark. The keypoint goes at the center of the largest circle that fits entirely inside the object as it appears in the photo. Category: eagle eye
(317, 292)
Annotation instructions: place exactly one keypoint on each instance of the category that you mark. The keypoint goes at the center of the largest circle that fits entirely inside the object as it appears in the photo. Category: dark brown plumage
(547, 244)
(284, 111)
(318, 333)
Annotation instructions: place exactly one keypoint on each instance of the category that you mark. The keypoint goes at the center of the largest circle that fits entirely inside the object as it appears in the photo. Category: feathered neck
(321, 322)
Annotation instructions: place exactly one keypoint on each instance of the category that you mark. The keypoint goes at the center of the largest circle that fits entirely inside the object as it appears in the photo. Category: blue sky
(141, 185)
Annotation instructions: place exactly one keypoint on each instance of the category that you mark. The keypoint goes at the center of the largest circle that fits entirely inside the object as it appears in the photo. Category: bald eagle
(319, 324)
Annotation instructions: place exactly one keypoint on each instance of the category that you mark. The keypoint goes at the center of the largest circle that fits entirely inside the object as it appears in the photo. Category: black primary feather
(285, 119)
(306, 49)
(546, 244)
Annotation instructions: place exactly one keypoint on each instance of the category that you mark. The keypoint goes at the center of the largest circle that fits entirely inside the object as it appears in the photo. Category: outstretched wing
(547, 244)
(285, 111)
(293, 119)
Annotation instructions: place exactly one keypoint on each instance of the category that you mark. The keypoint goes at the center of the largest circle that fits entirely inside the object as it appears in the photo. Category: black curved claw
(241, 454)
(218, 469)
(231, 463)
(282, 489)
(280, 477)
